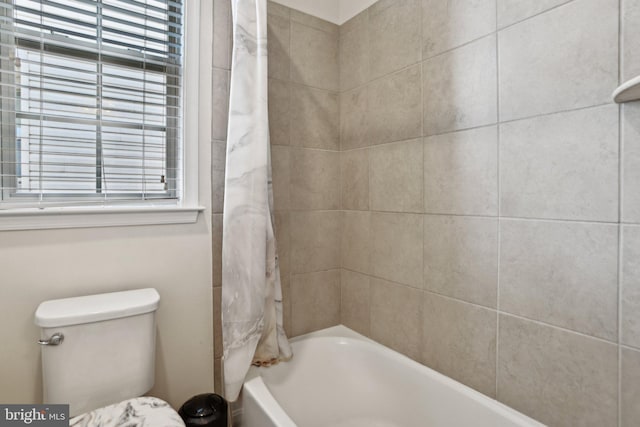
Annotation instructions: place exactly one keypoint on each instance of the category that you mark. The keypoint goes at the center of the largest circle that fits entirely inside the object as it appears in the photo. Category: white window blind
(90, 101)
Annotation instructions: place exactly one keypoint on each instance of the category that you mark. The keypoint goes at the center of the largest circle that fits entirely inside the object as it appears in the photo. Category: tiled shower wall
(490, 194)
(305, 149)
(452, 180)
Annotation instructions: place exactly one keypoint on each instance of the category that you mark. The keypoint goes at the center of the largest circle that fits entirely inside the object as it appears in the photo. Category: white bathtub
(339, 378)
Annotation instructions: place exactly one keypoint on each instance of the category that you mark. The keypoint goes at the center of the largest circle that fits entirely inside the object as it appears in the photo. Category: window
(90, 94)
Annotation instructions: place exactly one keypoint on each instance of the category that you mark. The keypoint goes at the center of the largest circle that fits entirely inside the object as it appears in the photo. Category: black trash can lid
(203, 405)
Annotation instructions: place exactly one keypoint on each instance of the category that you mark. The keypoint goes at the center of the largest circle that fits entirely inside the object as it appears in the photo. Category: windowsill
(87, 217)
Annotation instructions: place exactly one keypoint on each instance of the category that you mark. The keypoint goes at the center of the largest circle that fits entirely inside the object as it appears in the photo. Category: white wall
(39, 265)
(325, 9)
(336, 11)
(350, 8)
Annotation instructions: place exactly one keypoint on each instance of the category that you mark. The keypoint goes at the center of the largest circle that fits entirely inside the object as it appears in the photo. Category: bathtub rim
(268, 403)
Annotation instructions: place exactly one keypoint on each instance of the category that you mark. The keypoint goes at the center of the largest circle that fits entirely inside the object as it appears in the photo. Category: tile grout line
(477, 216)
(619, 340)
(487, 125)
(502, 312)
(365, 90)
(630, 348)
(422, 60)
(422, 344)
(513, 24)
(424, 197)
(561, 328)
(448, 297)
(341, 219)
(497, 366)
(368, 154)
(620, 205)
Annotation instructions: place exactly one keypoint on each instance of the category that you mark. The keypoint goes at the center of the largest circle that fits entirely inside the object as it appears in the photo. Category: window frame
(180, 211)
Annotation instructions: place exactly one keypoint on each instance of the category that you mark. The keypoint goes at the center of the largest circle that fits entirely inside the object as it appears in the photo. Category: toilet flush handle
(56, 339)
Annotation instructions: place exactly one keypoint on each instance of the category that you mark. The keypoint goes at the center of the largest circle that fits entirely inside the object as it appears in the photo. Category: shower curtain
(251, 291)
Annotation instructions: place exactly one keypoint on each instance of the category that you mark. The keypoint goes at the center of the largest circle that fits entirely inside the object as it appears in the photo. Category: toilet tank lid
(95, 308)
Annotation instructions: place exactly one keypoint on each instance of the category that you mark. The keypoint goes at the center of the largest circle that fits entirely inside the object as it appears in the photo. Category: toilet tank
(108, 351)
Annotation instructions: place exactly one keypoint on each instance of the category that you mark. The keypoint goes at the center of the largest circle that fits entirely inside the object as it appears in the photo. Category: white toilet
(98, 355)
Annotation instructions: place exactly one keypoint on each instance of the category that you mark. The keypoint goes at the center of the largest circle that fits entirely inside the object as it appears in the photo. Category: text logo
(34, 415)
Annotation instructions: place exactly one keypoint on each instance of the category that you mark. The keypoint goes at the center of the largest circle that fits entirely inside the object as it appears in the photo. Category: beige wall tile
(220, 98)
(396, 247)
(279, 112)
(630, 60)
(630, 287)
(459, 340)
(354, 53)
(354, 179)
(562, 273)
(280, 174)
(629, 388)
(285, 283)
(394, 107)
(461, 172)
(315, 118)
(555, 376)
(448, 24)
(315, 301)
(563, 59)
(354, 130)
(315, 241)
(512, 11)
(354, 306)
(356, 241)
(396, 317)
(631, 162)
(394, 35)
(216, 249)
(314, 57)
(217, 322)
(222, 34)
(561, 166)
(460, 89)
(282, 224)
(218, 160)
(277, 9)
(279, 36)
(396, 177)
(315, 179)
(209, 179)
(217, 381)
(354, 23)
(461, 258)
